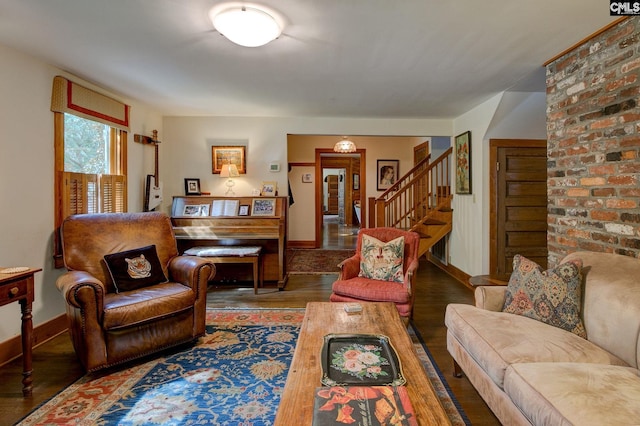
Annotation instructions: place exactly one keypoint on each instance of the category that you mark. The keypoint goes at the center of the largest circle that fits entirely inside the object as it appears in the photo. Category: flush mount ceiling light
(249, 26)
(344, 146)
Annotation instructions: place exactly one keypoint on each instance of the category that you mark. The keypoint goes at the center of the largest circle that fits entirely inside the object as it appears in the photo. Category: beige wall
(26, 187)
(508, 115)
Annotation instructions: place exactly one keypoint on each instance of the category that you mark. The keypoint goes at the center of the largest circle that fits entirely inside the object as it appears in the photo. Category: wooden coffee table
(305, 372)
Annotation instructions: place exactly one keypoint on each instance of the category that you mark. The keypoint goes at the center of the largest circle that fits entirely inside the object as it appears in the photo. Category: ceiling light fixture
(249, 26)
(345, 146)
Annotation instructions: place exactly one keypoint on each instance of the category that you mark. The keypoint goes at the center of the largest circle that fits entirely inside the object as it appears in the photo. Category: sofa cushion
(132, 269)
(575, 393)
(553, 296)
(611, 308)
(382, 261)
(497, 339)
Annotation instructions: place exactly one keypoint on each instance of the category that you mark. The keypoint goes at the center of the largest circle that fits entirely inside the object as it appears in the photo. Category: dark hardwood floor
(336, 236)
(55, 365)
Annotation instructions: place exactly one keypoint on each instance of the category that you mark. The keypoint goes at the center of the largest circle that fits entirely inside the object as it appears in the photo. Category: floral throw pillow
(382, 261)
(553, 296)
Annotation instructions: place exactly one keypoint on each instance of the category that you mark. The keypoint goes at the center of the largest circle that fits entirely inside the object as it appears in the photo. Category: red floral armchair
(350, 287)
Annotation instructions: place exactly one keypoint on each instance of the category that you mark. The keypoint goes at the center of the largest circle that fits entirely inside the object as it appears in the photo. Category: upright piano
(235, 221)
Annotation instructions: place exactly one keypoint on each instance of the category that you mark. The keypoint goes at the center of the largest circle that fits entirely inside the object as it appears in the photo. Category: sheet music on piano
(225, 207)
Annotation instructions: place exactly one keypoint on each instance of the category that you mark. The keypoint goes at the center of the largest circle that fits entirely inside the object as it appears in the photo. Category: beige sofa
(529, 372)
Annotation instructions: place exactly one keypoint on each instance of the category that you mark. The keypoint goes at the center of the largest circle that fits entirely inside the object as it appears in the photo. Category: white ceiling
(336, 58)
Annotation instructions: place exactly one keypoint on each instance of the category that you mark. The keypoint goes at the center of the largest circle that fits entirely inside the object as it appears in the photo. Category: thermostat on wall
(274, 167)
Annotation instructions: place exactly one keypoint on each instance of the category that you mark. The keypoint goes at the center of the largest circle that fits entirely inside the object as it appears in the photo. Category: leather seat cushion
(376, 291)
(132, 308)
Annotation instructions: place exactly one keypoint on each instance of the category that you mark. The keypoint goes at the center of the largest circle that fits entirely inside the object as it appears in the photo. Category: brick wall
(593, 130)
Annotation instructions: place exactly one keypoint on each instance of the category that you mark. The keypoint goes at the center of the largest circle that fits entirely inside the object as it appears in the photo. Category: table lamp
(229, 171)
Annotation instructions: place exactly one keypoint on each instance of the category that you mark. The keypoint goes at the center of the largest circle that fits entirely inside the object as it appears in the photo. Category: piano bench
(233, 254)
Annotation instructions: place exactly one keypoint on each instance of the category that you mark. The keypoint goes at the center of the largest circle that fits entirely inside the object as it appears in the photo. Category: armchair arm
(191, 270)
(349, 268)
(82, 290)
(409, 276)
(490, 297)
(84, 295)
(194, 272)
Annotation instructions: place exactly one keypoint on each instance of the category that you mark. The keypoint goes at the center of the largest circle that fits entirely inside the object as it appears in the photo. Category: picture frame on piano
(269, 189)
(191, 210)
(243, 210)
(263, 207)
(191, 186)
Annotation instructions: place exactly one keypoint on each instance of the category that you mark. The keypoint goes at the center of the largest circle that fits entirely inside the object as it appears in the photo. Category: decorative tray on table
(360, 359)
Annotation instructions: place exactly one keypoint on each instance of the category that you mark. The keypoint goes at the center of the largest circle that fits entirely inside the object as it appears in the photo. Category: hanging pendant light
(345, 146)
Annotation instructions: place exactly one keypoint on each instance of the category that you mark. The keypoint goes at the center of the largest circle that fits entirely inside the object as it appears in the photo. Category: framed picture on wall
(356, 181)
(228, 155)
(463, 163)
(387, 173)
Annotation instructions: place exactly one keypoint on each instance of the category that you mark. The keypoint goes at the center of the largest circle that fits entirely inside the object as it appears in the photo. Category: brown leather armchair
(109, 327)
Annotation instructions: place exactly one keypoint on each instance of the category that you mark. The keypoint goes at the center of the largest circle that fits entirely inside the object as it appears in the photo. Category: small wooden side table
(19, 287)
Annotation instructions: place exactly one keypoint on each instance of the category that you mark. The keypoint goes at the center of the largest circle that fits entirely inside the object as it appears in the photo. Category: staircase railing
(409, 202)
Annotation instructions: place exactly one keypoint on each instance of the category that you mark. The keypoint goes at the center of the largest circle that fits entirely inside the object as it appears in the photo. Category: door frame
(494, 146)
(319, 193)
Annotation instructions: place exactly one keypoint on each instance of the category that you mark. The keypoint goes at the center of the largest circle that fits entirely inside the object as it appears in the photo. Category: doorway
(518, 197)
(340, 189)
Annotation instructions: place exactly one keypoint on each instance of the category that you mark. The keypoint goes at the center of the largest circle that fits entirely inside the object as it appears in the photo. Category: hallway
(336, 236)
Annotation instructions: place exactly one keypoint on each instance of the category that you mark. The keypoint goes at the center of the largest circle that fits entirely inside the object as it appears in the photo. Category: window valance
(75, 99)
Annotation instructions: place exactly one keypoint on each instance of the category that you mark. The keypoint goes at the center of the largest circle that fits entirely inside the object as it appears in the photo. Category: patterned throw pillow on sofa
(553, 296)
(382, 261)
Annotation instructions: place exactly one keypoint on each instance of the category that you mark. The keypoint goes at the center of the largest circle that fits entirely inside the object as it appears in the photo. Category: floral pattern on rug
(233, 376)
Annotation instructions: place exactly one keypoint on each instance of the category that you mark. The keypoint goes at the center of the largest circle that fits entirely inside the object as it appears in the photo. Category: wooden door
(332, 197)
(518, 204)
(420, 152)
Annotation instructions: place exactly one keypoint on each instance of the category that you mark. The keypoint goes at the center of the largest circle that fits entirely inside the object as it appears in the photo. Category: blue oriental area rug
(233, 376)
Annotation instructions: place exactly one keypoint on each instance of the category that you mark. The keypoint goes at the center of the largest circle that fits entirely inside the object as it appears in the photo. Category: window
(90, 156)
